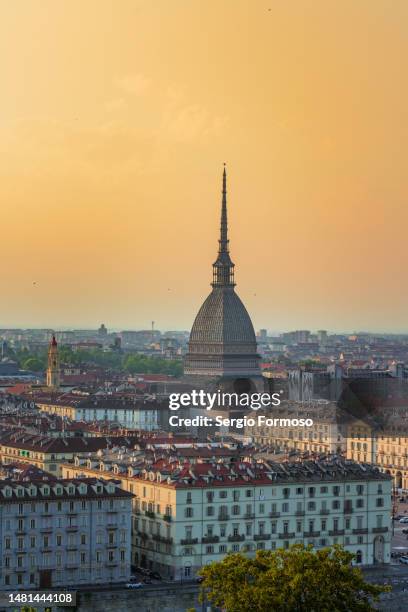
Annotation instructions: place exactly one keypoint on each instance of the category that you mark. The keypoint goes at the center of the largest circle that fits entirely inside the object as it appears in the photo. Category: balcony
(300, 513)
(111, 525)
(223, 517)
(286, 535)
(160, 538)
(46, 529)
(236, 538)
(262, 536)
(274, 514)
(311, 534)
(348, 509)
(111, 563)
(188, 541)
(71, 564)
(379, 529)
(360, 531)
(324, 511)
(46, 549)
(143, 535)
(167, 518)
(336, 532)
(150, 514)
(249, 515)
(72, 528)
(210, 539)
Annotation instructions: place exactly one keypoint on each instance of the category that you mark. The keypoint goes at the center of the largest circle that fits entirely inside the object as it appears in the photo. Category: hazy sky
(116, 117)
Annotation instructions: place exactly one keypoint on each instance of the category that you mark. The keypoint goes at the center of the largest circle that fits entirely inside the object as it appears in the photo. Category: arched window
(359, 557)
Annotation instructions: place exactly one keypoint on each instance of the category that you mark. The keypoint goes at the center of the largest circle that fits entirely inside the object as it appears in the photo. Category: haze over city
(114, 125)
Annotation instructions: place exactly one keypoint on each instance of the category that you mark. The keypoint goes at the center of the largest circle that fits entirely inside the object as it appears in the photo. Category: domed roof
(224, 319)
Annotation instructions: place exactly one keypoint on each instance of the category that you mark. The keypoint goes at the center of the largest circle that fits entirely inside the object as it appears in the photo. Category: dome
(223, 319)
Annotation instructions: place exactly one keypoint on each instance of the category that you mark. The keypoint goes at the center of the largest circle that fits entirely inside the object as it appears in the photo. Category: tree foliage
(298, 579)
(132, 362)
(34, 364)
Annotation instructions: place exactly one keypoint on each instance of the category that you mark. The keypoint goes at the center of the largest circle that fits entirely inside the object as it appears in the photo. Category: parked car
(156, 576)
(404, 519)
(405, 530)
(403, 560)
(134, 585)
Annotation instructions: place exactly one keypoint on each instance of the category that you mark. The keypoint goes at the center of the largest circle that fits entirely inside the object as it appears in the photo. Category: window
(223, 494)
(336, 504)
(311, 491)
(209, 550)
(235, 547)
(222, 548)
(236, 495)
(299, 491)
(360, 503)
(323, 489)
(359, 556)
(235, 510)
(210, 510)
(380, 502)
(248, 493)
(336, 490)
(188, 512)
(285, 507)
(360, 489)
(311, 505)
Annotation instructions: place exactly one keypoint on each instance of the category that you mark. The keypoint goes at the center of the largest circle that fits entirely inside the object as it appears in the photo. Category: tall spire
(223, 248)
(53, 370)
(223, 268)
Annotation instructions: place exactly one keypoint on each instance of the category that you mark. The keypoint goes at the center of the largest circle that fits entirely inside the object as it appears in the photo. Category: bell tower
(53, 369)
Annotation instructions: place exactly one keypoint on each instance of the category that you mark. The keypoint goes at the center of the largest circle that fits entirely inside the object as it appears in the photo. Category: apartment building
(46, 453)
(186, 515)
(326, 435)
(127, 410)
(64, 533)
(387, 448)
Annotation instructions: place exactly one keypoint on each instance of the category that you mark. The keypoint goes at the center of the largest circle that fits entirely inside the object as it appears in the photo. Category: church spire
(53, 370)
(223, 268)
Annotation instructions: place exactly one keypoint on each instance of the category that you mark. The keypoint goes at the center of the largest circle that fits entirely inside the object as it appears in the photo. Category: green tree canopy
(34, 364)
(299, 579)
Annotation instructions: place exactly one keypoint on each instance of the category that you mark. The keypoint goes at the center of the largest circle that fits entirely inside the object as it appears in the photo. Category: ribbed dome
(224, 319)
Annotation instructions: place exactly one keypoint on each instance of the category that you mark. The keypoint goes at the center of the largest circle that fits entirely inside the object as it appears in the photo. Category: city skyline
(111, 155)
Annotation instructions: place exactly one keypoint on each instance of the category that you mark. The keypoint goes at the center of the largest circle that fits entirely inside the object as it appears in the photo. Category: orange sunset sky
(116, 117)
